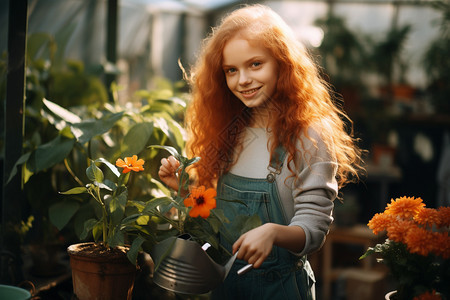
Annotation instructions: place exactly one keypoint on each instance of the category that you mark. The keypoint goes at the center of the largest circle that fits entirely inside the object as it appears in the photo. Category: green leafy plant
(111, 198)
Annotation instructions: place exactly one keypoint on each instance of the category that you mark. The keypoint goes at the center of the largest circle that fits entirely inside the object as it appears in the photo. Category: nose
(244, 78)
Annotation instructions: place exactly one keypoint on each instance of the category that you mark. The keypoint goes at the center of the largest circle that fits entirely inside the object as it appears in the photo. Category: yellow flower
(130, 164)
(201, 201)
(428, 296)
(405, 207)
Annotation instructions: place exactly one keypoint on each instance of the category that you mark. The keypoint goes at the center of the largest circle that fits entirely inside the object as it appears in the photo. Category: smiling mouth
(248, 92)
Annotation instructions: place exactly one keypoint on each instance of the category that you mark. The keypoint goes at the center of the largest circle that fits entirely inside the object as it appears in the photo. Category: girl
(268, 133)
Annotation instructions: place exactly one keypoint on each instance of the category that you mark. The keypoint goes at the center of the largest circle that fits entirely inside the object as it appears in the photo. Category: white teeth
(249, 92)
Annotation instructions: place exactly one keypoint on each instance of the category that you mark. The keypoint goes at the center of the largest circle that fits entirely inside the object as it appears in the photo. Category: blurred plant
(417, 251)
(342, 53)
(436, 60)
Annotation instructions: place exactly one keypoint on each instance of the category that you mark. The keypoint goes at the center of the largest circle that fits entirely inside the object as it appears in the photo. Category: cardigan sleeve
(313, 191)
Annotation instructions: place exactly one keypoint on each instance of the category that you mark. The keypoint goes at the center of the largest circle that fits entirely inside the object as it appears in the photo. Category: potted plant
(105, 268)
(417, 248)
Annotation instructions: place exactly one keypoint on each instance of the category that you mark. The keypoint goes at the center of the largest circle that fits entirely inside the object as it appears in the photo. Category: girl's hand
(255, 245)
(167, 172)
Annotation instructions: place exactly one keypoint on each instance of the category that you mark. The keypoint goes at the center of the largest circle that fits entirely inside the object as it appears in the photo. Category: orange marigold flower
(427, 217)
(444, 216)
(379, 222)
(130, 164)
(428, 296)
(201, 201)
(405, 207)
(441, 244)
(397, 230)
(419, 240)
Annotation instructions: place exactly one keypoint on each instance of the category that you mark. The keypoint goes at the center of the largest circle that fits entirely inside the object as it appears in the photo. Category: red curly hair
(215, 117)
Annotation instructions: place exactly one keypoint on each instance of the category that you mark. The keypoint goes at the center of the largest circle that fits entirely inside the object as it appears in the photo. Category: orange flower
(202, 201)
(419, 240)
(441, 244)
(380, 222)
(444, 216)
(397, 230)
(405, 207)
(428, 296)
(130, 164)
(427, 217)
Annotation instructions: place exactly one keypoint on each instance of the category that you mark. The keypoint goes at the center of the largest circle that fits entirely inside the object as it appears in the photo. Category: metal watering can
(185, 267)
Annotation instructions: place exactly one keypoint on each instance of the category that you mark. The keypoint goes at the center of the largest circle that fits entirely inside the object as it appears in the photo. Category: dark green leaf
(86, 130)
(75, 191)
(53, 152)
(20, 161)
(60, 213)
(117, 207)
(136, 138)
(134, 249)
(94, 173)
(88, 226)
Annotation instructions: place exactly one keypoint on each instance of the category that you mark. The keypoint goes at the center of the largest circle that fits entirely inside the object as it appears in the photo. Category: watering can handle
(245, 269)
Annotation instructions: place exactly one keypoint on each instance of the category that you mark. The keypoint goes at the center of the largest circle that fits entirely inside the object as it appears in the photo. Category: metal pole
(12, 196)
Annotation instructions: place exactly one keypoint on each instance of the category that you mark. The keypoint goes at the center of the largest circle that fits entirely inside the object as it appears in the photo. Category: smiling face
(250, 70)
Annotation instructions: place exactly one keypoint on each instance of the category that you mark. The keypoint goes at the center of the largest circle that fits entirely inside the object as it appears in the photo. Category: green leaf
(117, 207)
(75, 191)
(53, 152)
(97, 231)
(134, 249)
(136, 138)
(130, 219)
(117, 238)
(170, 149)
(156, 202)
(94, 173)
(20, 161)
(61, 112)
(86, 130)
(88, 226)
(60, 213)
(170, 128)
(143, 220)
(112, 167)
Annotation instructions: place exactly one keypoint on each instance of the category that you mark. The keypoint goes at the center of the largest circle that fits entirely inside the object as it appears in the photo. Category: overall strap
(276, 162)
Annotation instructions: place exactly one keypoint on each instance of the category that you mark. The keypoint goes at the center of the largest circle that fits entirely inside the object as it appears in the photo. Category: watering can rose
(201, 201)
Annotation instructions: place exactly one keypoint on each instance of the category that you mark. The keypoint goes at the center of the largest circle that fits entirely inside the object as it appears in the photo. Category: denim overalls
(282, 275)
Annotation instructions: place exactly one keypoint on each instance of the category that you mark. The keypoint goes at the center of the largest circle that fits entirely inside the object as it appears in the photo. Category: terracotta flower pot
(104, 275)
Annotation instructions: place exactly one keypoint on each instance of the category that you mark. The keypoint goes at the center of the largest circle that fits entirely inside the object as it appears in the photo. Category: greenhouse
(209, 146)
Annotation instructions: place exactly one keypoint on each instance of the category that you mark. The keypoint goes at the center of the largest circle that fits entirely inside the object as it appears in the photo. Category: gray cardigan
(307, 198)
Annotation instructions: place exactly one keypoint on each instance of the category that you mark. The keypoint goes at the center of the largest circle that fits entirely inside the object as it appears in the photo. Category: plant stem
(69, 169)
(104, 213)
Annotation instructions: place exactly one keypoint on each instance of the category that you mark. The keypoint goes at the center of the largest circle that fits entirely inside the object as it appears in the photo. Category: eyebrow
(253, 58)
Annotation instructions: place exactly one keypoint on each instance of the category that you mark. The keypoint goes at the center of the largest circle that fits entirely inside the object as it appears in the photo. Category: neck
(260, 117)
